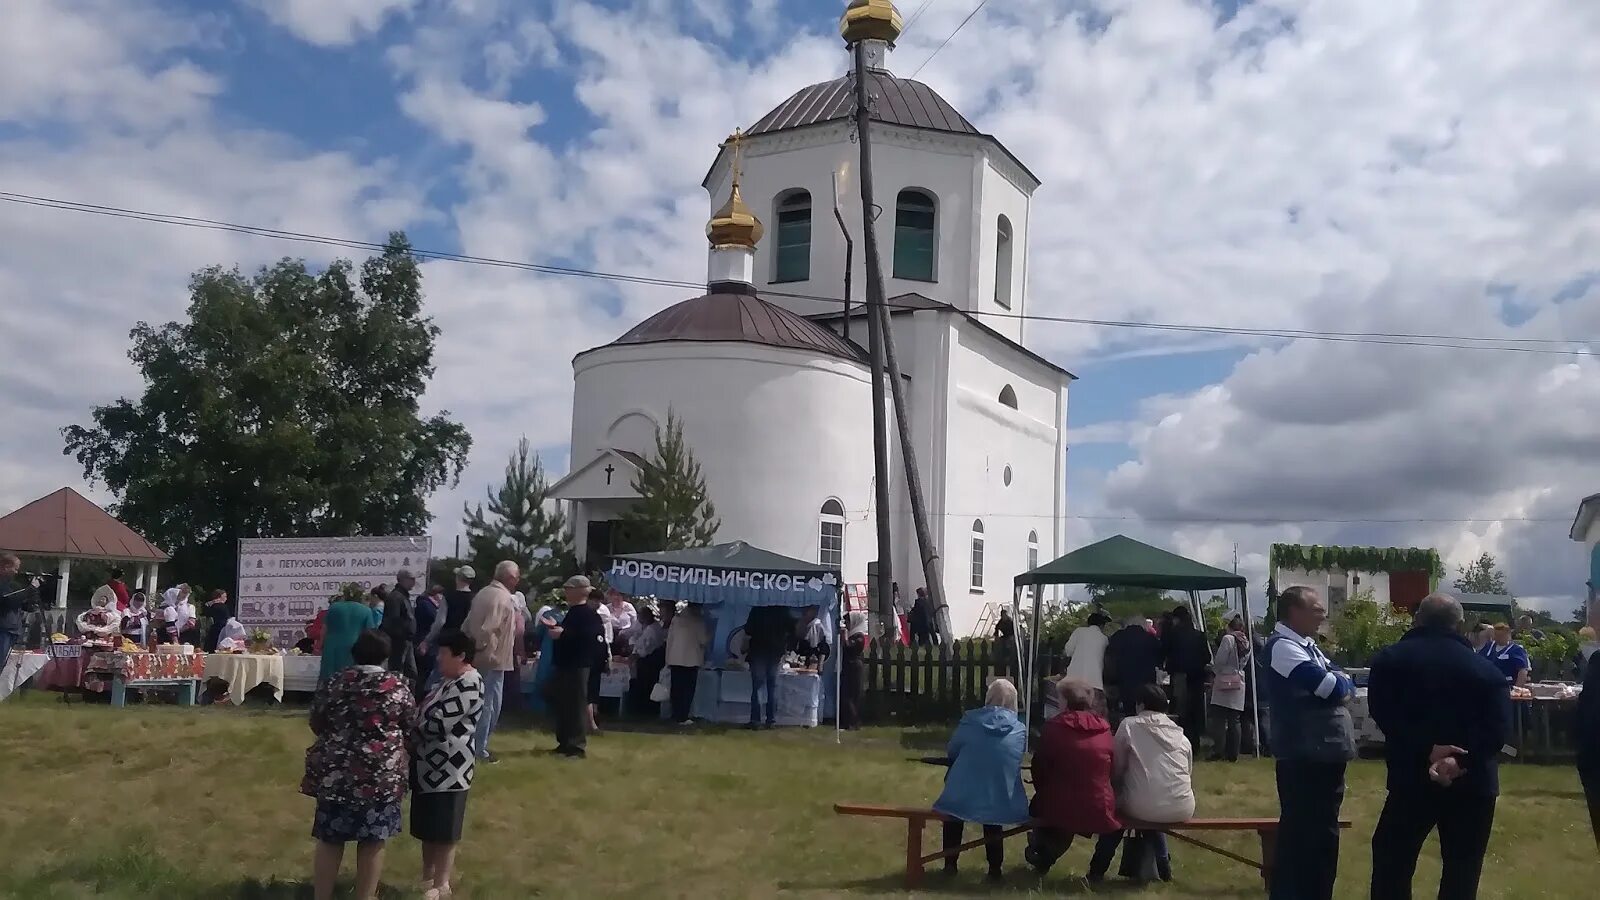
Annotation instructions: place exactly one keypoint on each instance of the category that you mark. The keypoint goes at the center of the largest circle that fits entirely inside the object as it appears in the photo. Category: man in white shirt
(1087, 649)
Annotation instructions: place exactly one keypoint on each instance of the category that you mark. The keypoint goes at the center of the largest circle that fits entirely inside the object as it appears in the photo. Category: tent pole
(1255, 693)
(1033, 643)
(838, 668)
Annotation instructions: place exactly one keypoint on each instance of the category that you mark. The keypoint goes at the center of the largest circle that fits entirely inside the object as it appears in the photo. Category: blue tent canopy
(734, 572)
(730, 579)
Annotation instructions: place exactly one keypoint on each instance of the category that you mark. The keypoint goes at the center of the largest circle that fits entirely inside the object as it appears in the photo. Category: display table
(65, 669)
(245, 671)
(147, 670)
(723, 695)
(300, 673)
(18, 669)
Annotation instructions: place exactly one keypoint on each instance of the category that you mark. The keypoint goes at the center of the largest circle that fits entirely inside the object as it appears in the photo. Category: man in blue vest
(1445, 714)
(1313, 739)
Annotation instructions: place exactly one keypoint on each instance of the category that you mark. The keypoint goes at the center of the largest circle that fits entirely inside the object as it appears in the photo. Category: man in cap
(577, 643)
(492, 624)
(400, 624)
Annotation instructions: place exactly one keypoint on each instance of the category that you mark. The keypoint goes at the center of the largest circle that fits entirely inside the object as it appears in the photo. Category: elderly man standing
(576, 645)
(400, 624)
(1313, 739)
(492, 625)
(1445, 713)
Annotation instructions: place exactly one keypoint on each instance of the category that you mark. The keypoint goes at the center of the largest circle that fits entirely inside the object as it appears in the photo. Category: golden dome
(734, 225)
(871, 20)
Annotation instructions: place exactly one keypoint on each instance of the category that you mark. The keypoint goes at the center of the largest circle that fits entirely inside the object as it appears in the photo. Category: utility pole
(880, 424)
(881, 336)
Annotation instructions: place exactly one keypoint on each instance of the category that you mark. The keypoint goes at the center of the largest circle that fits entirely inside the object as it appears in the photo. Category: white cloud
(331, 23)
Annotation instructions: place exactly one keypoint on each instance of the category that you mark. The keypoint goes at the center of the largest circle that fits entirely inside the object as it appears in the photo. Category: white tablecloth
(300, 673)
(245, 671)
(724, 696)
(18, 669)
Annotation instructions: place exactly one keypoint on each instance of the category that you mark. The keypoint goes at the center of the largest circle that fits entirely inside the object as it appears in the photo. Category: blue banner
(713, 586)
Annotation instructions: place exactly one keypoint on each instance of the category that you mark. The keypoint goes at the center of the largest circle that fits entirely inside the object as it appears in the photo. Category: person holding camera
(18, 597)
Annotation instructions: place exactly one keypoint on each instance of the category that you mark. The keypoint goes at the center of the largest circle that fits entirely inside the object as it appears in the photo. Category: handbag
(1232, 681)
(659, 693)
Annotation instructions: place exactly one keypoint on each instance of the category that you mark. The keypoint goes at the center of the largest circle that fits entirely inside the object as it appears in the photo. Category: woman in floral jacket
(356, 768)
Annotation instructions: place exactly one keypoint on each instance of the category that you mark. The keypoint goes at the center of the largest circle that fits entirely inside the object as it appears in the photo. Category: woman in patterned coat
(356, 768)
(442, 760)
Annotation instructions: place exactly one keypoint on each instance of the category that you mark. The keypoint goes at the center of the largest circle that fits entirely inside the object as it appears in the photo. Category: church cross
(609, 470)
(736, 142)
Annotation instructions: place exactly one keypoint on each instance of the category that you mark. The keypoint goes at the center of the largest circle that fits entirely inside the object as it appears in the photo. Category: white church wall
(777, 433)
(986, 437)
(999, 196)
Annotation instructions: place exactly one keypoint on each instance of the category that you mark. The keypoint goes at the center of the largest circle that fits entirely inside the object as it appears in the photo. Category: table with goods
(17, 670)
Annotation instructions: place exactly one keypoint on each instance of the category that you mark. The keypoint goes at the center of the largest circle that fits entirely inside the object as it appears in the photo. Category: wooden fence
(934, 684)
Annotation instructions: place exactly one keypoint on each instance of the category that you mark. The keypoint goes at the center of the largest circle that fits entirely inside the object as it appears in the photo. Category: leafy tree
(1483, 576)
(521, 524)
(1361, 629)
(285, 406)
(673, 510)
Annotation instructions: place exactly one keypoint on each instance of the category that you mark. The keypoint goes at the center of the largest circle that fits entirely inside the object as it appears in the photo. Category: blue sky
(1171, 136)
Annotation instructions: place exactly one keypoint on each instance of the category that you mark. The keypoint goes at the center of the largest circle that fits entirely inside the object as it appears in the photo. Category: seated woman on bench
(984, 784)
(1152, 762)
(1072, 767)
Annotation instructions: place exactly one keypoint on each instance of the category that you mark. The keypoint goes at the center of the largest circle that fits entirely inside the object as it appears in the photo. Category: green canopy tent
(1121, 561)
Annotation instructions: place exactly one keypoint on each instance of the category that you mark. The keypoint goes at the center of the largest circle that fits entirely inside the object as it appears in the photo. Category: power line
(915, 16)
(975, 10)
(1441, 341)
(1251, 520)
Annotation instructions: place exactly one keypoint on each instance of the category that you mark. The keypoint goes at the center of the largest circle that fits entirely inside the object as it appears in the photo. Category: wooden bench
(916, 820)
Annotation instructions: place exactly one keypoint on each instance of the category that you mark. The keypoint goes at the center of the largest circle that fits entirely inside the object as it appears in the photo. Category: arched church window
(1008, 396)
(977, 555)
(1002, 263)
(916, 235)
(793, 256)
(1033, 561)
(830, 539)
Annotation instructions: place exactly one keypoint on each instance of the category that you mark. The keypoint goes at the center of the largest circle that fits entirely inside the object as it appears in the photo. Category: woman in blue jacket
(984, 785)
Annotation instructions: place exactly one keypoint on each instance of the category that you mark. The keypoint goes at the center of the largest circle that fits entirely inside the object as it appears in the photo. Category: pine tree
(673, 510)
(521, 524)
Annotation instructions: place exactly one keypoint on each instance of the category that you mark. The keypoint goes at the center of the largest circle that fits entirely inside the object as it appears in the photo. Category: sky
(1365, 167)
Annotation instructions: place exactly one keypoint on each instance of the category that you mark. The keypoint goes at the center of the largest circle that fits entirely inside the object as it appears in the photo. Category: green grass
(158, 801)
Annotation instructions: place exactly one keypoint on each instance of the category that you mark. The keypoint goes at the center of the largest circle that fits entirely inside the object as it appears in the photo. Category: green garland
(1314, 558)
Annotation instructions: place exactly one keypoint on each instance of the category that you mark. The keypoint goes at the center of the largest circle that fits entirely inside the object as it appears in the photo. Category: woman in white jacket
(1152, 763)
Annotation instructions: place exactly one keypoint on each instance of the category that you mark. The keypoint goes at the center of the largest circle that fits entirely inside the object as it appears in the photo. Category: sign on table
(284, 582)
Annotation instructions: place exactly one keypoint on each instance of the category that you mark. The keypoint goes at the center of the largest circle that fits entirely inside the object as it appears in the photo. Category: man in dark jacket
(400, 624)
(1132, 656)
(768, 629)
(1188, 660)
(17, 598)
(1445, 713)
(1588, 730)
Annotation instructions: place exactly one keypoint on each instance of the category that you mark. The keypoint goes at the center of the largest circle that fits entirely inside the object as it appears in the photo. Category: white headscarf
(232, 630)
(855, 624)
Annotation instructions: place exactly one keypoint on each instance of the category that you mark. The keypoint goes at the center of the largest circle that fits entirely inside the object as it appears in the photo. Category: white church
(769, 375)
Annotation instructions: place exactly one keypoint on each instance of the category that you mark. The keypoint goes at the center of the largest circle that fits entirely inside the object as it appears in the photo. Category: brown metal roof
(738, 317)
(67, 524)
(900, 101)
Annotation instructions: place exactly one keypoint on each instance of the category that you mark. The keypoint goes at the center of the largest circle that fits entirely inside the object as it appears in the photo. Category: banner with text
(285, 582)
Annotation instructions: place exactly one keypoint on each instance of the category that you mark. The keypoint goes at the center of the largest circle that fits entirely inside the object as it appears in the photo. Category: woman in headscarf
(984, 785)
(234, 632)
(180, 616)
(136, 621)
(101, 621)
(853, 675)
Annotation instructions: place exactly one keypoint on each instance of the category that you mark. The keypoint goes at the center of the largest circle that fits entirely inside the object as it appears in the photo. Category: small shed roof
(68, 524)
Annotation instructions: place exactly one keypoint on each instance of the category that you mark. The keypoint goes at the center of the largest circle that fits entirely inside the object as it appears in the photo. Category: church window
(916, 235)
(1008, 396)
(977, 555)
(1002, 263)
(793, 256)
(830, 542)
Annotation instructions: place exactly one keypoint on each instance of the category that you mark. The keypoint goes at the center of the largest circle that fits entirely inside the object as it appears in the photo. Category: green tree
(1361, 629)
(1483, 576)
(673, 510)
(521, 524)
(287, 405)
